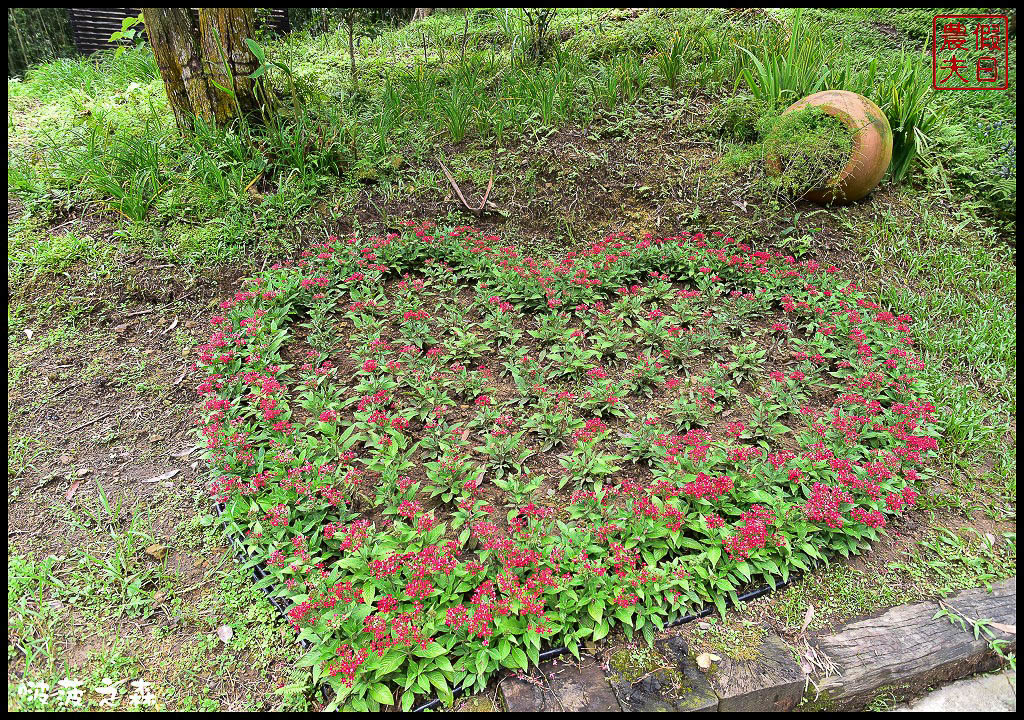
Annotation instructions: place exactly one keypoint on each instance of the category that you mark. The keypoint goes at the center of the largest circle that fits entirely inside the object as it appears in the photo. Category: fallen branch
(61, 392)
(477, 211)
(91, 422)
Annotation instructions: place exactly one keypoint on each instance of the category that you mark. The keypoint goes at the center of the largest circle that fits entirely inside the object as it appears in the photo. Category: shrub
(738, 118)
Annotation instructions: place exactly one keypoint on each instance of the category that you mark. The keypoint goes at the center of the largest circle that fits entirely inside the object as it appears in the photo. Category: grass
(55, 254)
(110, 596)
(964, 294)
(430, 96)
(632, 123)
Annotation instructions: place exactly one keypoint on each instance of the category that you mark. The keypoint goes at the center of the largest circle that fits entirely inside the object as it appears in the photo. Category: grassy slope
(191, 216)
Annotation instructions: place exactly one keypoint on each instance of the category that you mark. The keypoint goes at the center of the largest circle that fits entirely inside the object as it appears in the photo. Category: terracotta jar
(872, 144)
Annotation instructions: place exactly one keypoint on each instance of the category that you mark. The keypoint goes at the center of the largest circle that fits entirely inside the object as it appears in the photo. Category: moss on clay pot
(871, 150)
(805, 151)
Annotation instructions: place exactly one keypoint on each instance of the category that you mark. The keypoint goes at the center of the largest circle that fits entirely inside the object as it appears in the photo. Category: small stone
(225, 633)
(156, 551)
(704, 660)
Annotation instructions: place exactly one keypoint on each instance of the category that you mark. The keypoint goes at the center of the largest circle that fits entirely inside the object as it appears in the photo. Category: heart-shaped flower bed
(449, 455)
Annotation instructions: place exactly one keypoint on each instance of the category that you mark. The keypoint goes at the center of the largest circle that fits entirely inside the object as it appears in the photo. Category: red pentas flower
(593, 429)
(347, 664)
(824, 504)
(713, 521)
(871, 518)
(409, 509)
(753, 534)
(706, 486)
(364, 483)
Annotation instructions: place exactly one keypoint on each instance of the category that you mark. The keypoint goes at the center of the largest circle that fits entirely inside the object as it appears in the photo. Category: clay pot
(872, 144)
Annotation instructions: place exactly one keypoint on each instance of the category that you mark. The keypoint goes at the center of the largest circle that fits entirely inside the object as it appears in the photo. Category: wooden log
(771, 682)
(667, 680)
(561, 686)
(907, 647)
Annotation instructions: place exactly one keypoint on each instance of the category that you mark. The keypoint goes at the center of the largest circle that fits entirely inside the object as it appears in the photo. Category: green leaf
(432, 650)
(516, 659)
(382, 694)
(389, 663)
(714, 553)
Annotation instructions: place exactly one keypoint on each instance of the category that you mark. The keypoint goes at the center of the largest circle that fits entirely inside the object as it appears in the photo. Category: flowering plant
(403, 486)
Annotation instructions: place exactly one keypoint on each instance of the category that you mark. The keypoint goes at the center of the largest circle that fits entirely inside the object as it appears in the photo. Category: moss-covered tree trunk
(229, 62)
(170, 34)
(205, 65)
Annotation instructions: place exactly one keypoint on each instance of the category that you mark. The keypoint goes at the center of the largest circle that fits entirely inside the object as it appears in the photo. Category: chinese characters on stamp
(970, 52)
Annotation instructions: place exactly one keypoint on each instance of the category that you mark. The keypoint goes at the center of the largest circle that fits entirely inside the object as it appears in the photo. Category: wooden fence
(91, 28)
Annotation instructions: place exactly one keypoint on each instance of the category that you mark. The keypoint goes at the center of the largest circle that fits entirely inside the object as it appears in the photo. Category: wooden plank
(560, 686)
(905, 646)
(673, 684)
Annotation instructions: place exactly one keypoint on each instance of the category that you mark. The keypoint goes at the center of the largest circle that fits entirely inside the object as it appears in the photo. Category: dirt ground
(108, 404)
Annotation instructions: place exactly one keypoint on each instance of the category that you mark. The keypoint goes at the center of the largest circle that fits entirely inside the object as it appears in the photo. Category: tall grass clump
(102, 72)
(120, 166)
(906, 97)
(800, 68)
(221, 161)
(672, 60)
(456, 107)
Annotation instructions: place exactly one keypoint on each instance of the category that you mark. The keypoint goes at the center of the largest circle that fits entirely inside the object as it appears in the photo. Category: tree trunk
(352, 50)
(228, 60)
(174, 38)
(194, 59)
